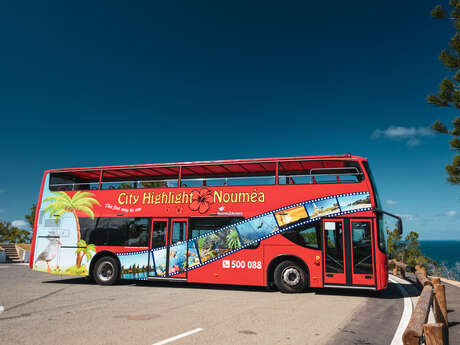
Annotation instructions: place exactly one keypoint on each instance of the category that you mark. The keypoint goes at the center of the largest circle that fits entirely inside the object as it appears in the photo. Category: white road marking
(407, 312)
(2, 309)
(182, 335)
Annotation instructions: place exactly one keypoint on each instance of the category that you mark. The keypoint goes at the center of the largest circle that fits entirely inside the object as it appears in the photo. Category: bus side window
(201, 225)
(305, 235)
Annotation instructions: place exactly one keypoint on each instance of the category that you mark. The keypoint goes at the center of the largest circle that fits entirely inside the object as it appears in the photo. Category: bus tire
(105, 271)
(289, 277)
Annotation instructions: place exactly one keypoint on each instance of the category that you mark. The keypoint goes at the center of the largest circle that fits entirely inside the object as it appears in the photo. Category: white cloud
(413, 142)
(392, 202)
(406, 216)
(411, 134)
(19, 223)
(451, 213)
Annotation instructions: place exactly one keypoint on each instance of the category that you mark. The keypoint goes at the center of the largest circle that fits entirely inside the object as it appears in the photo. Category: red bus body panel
(241, 201)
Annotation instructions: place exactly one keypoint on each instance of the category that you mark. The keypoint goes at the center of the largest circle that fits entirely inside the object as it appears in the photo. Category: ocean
(446, 253)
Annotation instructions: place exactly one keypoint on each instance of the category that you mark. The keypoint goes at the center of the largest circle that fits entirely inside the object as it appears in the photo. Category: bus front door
(348, 252)
(168, 248)
(362, 262)
(333, 252)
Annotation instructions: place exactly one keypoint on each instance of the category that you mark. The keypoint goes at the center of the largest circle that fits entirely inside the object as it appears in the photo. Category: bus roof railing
(217, 162)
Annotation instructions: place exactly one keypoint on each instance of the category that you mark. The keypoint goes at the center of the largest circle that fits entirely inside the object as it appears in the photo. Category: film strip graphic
(207, 248)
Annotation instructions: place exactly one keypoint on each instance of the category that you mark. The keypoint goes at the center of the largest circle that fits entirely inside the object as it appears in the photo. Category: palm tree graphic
(85, 250)
(61, 203)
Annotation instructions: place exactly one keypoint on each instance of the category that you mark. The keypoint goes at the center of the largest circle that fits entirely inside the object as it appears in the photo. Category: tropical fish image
(175, 268)
(161, 270)
(192, 255)
(193, 261)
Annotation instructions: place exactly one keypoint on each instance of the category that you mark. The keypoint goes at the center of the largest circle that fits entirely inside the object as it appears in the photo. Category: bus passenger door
(168, 248)
(362, 258)
(177, 249)
(157, 257)
(333, 251)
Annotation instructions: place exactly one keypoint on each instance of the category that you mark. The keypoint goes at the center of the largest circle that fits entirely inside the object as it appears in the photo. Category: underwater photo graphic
(178, 258)
(192, 254)
(257, 228)
(218, 243)
(355, 202)
(291, 215)
(159, 258)
(322, 208)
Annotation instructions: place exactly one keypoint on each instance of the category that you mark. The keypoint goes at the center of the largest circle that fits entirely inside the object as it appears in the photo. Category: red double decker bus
(291, 222)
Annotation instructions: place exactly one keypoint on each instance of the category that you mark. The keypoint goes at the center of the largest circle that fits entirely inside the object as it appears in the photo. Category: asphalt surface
(44, 309)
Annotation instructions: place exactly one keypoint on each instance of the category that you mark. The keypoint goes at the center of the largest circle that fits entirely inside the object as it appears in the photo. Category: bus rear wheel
(105, 271)
(289, 277)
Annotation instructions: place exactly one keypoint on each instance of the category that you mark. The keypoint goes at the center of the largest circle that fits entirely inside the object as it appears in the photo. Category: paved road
(45, 309)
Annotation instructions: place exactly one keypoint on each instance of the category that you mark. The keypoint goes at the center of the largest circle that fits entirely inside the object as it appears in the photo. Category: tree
(453, 170)
(408, 250)
(12, 234)
(61, 203)
(395, 244)
(448, 94)
(412, 249)
(30, 218)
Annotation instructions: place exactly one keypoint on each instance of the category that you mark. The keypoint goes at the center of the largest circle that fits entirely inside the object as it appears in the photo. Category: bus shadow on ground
(391, 292)
(168, 284)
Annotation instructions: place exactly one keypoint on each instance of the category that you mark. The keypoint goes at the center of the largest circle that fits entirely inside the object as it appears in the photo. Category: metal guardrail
(433, 296)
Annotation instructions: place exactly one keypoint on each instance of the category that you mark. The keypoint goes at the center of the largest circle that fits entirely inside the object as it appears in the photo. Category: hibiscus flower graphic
(201, 200)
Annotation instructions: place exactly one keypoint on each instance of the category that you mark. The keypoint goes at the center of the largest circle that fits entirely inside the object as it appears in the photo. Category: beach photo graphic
(291, 215)
(134, 266)
(257, 228)
(354, 202)
(322, 208)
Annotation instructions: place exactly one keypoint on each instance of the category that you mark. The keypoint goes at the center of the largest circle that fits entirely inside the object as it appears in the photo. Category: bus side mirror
(399, 226)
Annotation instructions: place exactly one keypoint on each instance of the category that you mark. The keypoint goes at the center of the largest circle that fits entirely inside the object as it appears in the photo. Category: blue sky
(108, 83)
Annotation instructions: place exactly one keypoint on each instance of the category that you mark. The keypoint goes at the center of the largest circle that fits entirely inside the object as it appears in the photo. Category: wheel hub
(291, 276)
(105, 271)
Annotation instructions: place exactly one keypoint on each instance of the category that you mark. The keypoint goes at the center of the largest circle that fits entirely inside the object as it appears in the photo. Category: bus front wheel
(105, 271)
(289, 277)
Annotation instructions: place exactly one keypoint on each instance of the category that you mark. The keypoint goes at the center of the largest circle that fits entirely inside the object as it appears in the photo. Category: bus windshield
(374, 187)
